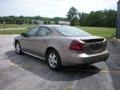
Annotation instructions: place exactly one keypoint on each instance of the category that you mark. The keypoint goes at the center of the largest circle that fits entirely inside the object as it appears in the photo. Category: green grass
(15, 26)
(12, 31)
(100, 31)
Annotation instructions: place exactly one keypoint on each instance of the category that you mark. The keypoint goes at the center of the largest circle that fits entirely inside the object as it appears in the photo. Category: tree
(110, 18)
(83, 19)
(72, 16)
(103, 18)
(1, 20)
(37, 17)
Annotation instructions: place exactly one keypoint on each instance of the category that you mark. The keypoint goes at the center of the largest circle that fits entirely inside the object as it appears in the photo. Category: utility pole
(4, 25)
(118, 20)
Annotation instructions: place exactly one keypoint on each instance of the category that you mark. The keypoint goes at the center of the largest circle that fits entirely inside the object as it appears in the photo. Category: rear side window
(33, 32)
(43, 31)
(71, 31)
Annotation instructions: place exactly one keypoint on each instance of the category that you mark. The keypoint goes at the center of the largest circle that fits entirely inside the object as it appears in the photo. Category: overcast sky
(52, 8)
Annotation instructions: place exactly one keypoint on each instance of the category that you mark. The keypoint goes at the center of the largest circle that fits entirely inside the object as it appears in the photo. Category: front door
(27, 42)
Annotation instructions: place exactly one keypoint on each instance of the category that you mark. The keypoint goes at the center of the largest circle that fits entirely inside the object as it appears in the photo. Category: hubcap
(52, 60)
(17, 48)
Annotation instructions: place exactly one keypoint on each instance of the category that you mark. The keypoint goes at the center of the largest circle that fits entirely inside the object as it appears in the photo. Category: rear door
(41, 41)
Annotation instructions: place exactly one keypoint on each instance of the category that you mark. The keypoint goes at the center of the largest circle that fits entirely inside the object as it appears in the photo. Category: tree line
(28, 20)
(103, 18)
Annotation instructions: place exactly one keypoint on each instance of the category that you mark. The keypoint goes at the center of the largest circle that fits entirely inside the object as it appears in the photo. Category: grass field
(6, 32)
(98, 31)
(14, 26)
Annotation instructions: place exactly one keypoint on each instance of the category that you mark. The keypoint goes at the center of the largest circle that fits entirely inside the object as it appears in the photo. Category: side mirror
(24, 34)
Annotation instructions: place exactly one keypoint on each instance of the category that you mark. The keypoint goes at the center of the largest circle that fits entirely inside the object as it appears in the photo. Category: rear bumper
(84, 58)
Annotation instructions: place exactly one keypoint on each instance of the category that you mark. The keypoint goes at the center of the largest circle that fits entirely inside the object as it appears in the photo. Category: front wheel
(53, 59)
(18, 49)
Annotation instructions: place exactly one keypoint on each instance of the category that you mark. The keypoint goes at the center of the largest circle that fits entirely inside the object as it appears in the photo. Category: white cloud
(52, 8)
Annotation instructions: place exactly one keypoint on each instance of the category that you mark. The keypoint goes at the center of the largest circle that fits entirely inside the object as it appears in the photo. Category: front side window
(43, 31)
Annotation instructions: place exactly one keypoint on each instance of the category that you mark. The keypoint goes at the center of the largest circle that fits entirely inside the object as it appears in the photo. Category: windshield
(71, 31)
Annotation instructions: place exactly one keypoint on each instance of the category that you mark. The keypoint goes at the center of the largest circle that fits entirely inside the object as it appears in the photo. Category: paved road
(29, 73)
(12, 29)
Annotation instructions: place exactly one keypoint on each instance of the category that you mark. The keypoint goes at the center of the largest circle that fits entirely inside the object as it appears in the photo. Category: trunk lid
(93, 44)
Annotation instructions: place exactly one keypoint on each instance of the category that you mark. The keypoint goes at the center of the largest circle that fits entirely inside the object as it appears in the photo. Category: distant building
(63, 23)
(118, 20)
(37, 22)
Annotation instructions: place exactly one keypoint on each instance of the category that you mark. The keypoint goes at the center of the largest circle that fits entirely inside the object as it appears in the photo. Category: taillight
(76, 45)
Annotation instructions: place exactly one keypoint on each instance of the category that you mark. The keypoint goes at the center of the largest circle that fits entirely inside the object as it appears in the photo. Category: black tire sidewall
(59, 64)
(20, 48)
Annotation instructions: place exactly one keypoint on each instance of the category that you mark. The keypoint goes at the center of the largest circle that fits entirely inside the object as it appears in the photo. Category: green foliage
(72, 16)
(106, 18)
(83, 19)
(28, 20)
(35, 22)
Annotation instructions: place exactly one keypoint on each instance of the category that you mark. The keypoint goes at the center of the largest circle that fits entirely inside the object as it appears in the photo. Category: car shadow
(113, 63)
(40, 68)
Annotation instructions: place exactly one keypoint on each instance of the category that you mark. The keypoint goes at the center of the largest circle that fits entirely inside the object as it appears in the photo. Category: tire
(18, 49)
(53, 60)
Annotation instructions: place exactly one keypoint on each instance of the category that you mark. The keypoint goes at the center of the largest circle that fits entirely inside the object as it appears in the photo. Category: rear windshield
(71, 31)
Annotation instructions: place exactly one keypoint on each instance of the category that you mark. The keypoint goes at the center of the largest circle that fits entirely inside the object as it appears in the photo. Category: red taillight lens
(76, 45)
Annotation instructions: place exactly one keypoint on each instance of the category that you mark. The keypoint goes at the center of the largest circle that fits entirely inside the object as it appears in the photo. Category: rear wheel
(18, 48)
(53, 59)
